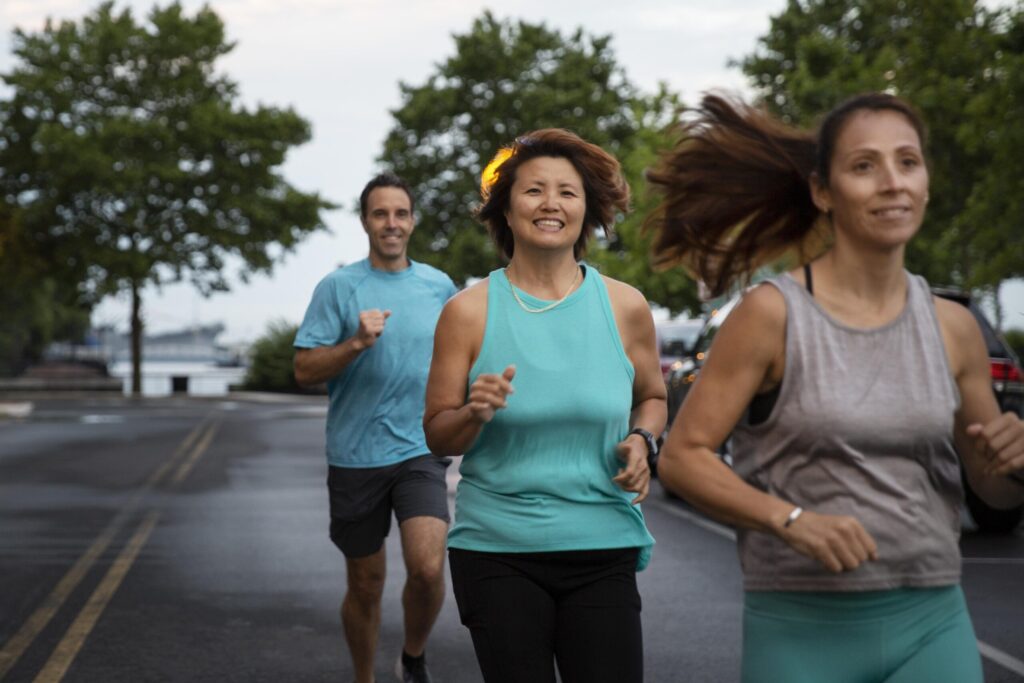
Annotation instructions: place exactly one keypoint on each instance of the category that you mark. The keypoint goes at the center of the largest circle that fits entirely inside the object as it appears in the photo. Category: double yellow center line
(173, 470)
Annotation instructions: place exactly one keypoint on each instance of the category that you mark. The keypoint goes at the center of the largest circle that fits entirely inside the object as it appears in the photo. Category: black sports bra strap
(807, 279)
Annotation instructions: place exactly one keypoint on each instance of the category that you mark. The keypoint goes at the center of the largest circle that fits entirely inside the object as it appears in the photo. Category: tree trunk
(997, 306)
(136, 341)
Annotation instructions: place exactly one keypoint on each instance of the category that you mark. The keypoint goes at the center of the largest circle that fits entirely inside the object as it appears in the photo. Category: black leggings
(526, 611)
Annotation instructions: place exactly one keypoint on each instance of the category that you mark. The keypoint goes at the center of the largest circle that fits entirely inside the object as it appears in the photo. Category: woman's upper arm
(746, 357)
(636, 330)
(969, 364)
(457, 340)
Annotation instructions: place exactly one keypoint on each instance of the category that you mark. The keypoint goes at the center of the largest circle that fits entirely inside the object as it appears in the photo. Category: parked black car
(1007, 383)
(1005, 367)
(675, 340)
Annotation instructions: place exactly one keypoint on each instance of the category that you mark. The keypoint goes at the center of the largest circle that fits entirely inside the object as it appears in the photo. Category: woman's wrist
(783, 516)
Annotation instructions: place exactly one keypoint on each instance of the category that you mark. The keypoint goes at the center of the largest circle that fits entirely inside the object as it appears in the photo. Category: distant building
(197, 344)
(188, 361)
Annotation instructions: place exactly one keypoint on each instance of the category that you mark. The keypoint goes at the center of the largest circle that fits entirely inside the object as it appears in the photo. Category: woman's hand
(488, 393)
(635, 476)
(1001, 443)
(838, 542)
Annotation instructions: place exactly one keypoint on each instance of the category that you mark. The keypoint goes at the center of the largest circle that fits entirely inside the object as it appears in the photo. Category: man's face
(388, 224)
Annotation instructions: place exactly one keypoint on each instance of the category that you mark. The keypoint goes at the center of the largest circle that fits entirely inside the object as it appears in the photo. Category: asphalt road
(186, 540)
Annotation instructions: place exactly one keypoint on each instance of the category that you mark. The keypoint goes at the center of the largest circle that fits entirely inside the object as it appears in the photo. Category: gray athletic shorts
(362, 500)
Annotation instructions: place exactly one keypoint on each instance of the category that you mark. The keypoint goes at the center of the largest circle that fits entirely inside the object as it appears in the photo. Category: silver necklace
(522, 304)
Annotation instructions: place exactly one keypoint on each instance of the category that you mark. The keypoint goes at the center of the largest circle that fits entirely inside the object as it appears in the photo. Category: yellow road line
(169, 463)
(197, 453)
(37, 621)
(57, 665)
(20, 641)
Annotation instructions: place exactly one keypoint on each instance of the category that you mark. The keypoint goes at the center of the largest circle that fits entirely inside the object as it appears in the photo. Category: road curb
(16, 409)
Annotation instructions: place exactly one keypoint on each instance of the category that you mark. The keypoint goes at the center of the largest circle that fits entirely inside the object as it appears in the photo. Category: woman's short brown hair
(605, 189)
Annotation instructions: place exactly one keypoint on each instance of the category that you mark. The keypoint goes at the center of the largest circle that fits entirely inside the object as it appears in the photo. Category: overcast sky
(339, 63)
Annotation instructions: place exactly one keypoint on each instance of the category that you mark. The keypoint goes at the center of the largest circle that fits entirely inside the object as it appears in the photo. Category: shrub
(271, 358)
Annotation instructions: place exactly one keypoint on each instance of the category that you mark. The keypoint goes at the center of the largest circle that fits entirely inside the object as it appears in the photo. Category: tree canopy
(962, 65)
(505, 79)
(37, 305)
(130, 160)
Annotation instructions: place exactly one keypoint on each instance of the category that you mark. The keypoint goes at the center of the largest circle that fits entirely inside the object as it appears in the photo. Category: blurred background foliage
(960, 62)
(125, 158)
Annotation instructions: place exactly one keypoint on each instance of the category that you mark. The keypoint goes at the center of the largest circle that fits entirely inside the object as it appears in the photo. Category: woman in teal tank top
(546, 376)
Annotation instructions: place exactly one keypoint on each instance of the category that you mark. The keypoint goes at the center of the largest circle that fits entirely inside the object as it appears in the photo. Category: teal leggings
(908, 635)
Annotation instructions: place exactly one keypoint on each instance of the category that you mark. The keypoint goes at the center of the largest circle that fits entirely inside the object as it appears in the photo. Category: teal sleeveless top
(539, 476)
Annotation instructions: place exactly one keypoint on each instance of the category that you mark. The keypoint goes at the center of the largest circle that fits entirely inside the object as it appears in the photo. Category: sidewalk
(19, 405)
(15, 409)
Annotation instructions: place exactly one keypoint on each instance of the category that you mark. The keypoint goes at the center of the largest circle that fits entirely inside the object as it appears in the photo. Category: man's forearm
(317, 365)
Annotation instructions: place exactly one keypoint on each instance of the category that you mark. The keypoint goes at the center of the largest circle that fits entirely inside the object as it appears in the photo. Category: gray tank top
(863, 426)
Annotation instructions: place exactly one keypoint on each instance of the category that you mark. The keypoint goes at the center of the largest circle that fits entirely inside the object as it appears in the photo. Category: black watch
(652, 444)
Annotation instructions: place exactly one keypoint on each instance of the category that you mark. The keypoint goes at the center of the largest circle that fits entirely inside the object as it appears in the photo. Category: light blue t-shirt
(375, 415)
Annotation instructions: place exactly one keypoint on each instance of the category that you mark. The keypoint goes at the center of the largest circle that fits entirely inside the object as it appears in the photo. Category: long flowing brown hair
(736, 188)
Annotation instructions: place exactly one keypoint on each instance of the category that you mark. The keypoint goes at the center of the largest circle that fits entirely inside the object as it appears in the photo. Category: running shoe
(413, 670)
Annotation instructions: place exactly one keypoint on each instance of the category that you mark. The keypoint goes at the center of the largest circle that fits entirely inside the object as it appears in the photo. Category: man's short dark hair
(384, 180)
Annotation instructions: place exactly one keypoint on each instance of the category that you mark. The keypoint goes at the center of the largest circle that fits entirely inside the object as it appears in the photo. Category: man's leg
(423, 547)
(360, 520)
(360, 610)
(420, 501)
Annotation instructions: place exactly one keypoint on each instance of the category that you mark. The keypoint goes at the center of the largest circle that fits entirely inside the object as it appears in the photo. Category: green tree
(271, 358)
(132, 162)
(505, 79)
(1015, 338)
(37, 307)
(948, 57)
(992, 127)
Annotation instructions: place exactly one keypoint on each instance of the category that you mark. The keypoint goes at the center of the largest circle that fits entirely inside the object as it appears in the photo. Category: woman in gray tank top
(847, 491)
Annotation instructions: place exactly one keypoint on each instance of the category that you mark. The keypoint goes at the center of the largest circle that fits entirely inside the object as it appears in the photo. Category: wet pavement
(186, 540)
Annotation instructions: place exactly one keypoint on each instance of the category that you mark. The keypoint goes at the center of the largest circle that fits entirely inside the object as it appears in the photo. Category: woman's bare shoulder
(469, 303)
(622, 294)
(960, 332)
(757, 320)
(765, 303)
(955, 317)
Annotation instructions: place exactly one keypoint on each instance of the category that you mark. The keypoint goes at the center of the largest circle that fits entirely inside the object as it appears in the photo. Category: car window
(996, 347)
(677, 339)
(707, 335)
(994, 343)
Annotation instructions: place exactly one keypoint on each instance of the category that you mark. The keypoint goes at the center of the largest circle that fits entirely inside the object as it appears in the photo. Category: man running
(368, 333)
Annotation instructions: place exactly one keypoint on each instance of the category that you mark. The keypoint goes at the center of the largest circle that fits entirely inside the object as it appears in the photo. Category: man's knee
(366, 579)
(423, 541)
(365, 595)
(427, 571)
